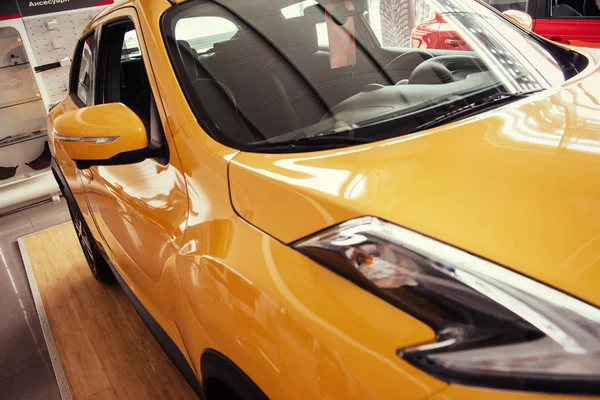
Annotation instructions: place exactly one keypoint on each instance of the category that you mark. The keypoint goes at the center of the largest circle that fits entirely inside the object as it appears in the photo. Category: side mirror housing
(520, 18)
(101, 135)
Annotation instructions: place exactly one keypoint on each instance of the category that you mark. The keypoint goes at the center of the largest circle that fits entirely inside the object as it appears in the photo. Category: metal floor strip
(59, 372)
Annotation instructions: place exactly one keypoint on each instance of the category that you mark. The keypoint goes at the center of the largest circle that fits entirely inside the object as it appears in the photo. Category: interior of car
(123, 78)
(281, 69)
(575, 8)
(504, 5)
(275, 77)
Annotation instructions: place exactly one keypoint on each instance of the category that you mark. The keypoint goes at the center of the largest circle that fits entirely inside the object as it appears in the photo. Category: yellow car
(302, 206)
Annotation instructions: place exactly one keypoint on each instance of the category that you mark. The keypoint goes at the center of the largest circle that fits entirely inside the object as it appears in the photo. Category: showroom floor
(25, 369)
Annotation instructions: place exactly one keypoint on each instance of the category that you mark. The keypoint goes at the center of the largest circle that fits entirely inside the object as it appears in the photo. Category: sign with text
(37, 7)
(9, 9)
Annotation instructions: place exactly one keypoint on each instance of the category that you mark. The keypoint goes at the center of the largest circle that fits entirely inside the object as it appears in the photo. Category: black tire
(96, 262)
(397, 16)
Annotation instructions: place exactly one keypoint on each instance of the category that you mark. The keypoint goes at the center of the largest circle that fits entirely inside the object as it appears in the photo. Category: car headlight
(494, 327)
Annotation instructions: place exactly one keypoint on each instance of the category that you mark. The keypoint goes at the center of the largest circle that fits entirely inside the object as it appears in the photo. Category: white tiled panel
(52, 45)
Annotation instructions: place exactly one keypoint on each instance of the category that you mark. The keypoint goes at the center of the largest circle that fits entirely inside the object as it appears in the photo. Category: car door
(140, 207)
(573, 22)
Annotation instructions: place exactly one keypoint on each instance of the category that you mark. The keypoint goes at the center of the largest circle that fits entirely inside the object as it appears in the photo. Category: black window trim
(101, 70)
(74, 77)
(547, 13)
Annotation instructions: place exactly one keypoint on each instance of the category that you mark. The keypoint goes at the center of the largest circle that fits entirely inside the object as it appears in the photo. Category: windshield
(267, 73)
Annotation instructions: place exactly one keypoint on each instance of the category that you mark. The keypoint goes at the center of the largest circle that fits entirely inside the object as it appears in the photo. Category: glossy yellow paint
(213, 280)
(100, 132)
(456, 392)
(517, 185)
(65, 163)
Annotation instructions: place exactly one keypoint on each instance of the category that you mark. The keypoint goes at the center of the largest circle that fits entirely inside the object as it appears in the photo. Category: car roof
(144, 4)
(118, 4)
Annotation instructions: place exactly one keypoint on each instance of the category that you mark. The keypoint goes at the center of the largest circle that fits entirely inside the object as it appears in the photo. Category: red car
(574, 22)
(436, 33)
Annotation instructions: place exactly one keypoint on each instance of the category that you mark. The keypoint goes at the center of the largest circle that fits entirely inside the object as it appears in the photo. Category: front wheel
(96, 262)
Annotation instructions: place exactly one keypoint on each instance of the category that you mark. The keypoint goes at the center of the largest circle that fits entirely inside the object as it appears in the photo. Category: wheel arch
(216, 367)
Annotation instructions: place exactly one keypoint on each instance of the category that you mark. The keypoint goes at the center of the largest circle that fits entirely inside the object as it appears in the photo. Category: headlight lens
(493, 327)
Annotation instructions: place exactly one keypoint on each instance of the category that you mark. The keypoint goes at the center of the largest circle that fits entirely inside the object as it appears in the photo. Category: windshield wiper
(319, 142)
(343, 137)
(494, 100)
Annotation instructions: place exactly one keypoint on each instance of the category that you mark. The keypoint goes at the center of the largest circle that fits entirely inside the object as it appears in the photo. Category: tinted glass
(214, 30)
(576, 8)
(131, 46)
(504, 5)
(84, 73)
(125, 78)
(271, 72)
(135, 90)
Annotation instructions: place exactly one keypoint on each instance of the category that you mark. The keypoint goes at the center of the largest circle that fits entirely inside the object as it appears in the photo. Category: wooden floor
(106, 350)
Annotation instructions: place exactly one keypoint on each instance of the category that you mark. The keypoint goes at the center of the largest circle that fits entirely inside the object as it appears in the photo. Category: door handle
(560, 39)
(454, 42)
(87, 174)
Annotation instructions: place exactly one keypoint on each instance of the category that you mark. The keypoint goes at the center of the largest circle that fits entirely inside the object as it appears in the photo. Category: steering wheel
(445, 69)
(404, 62)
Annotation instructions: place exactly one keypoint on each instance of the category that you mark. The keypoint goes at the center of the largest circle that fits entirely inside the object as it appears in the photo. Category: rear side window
(82, 72)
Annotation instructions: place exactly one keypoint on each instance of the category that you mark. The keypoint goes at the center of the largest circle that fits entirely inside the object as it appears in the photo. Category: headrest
(237, 47)
(296, 35)
(315, 13)
(185, 44)
(189, 56)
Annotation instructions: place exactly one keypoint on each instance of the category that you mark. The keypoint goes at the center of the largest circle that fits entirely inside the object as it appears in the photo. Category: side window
(575, 8)
(131, 46)
(81, 80)
(504, 5)
(125, 78)
(214, 30)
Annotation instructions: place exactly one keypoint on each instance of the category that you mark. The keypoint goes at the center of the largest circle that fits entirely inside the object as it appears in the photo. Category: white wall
(53, 84)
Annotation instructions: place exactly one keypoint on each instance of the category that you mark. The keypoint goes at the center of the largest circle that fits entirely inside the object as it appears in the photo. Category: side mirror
(520, 18)
(101, 135)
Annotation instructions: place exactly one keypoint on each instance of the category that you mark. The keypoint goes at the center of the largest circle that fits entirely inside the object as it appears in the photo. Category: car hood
(519, 185)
